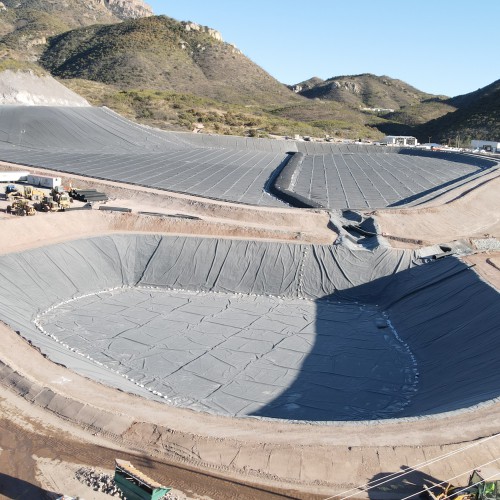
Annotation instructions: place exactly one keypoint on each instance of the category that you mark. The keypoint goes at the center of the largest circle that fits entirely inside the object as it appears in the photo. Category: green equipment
(135, 485)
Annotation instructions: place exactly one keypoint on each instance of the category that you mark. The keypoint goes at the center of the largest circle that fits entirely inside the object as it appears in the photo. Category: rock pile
(98, 481)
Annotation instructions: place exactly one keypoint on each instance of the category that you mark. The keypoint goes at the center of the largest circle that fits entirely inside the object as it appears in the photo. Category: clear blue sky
(445, 47)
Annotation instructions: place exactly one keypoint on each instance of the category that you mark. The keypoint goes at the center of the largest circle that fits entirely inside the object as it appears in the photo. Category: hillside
(422, 112)
(470, 99)
(306, 84)
(83, 12)
(390, 105)
(477, 117)
(163, 54)
(182, 75)
(364, 91)
(25, 25)
(175, 111)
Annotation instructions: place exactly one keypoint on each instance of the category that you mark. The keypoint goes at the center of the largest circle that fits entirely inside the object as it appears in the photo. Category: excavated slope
(296, 332)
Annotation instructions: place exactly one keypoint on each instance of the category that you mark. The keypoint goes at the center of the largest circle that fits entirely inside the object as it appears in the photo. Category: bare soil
(39, 461)
(472, 211)
(174, 214)
(487, 265)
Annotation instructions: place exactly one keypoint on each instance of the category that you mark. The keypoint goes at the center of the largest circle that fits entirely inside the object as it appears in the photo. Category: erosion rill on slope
(269, 330)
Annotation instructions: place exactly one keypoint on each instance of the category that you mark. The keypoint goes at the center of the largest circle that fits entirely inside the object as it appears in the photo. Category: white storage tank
(44, 181)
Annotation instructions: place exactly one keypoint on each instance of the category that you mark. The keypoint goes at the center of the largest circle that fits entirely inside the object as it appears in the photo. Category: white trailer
(400, 140)
(13, 176)
(44, 181)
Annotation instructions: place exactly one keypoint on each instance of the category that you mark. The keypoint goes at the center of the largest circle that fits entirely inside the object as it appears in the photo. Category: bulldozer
(483, 485)
(21, 207)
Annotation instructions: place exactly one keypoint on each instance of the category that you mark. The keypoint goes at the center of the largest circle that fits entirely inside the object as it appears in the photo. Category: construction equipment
(12, 192)
(448, 491)
(64, 201)
(136, 485)
(61, 197)
(59, 202)
(33, 194)
(58, 189)
(478, 488)
(47, 204)
(21, 207)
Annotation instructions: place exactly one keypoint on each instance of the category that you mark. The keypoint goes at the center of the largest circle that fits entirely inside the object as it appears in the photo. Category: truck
(43, 181)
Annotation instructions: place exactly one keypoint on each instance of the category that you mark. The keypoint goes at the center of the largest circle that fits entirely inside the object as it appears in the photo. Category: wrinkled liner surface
(301, 332)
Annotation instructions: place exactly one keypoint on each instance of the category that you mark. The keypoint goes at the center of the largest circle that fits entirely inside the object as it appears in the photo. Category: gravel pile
(490, 244)
(98, 481)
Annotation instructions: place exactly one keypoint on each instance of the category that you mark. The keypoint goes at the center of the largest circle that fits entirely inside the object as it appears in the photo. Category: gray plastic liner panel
(372, 178)
(98, 143)
(270, 330)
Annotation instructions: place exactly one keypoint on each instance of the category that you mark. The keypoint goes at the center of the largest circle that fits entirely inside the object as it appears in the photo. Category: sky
(444, 47)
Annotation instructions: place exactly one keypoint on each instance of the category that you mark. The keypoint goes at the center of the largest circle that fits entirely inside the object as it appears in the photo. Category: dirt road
(24, 441)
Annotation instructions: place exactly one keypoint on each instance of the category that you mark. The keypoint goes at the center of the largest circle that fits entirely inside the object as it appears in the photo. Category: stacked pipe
(88, 195)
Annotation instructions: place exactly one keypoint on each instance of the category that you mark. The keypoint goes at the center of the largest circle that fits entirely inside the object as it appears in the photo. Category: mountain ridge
(364, 90)
(477, 117)
(120, 44)
(26, 25)
(161, 53)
